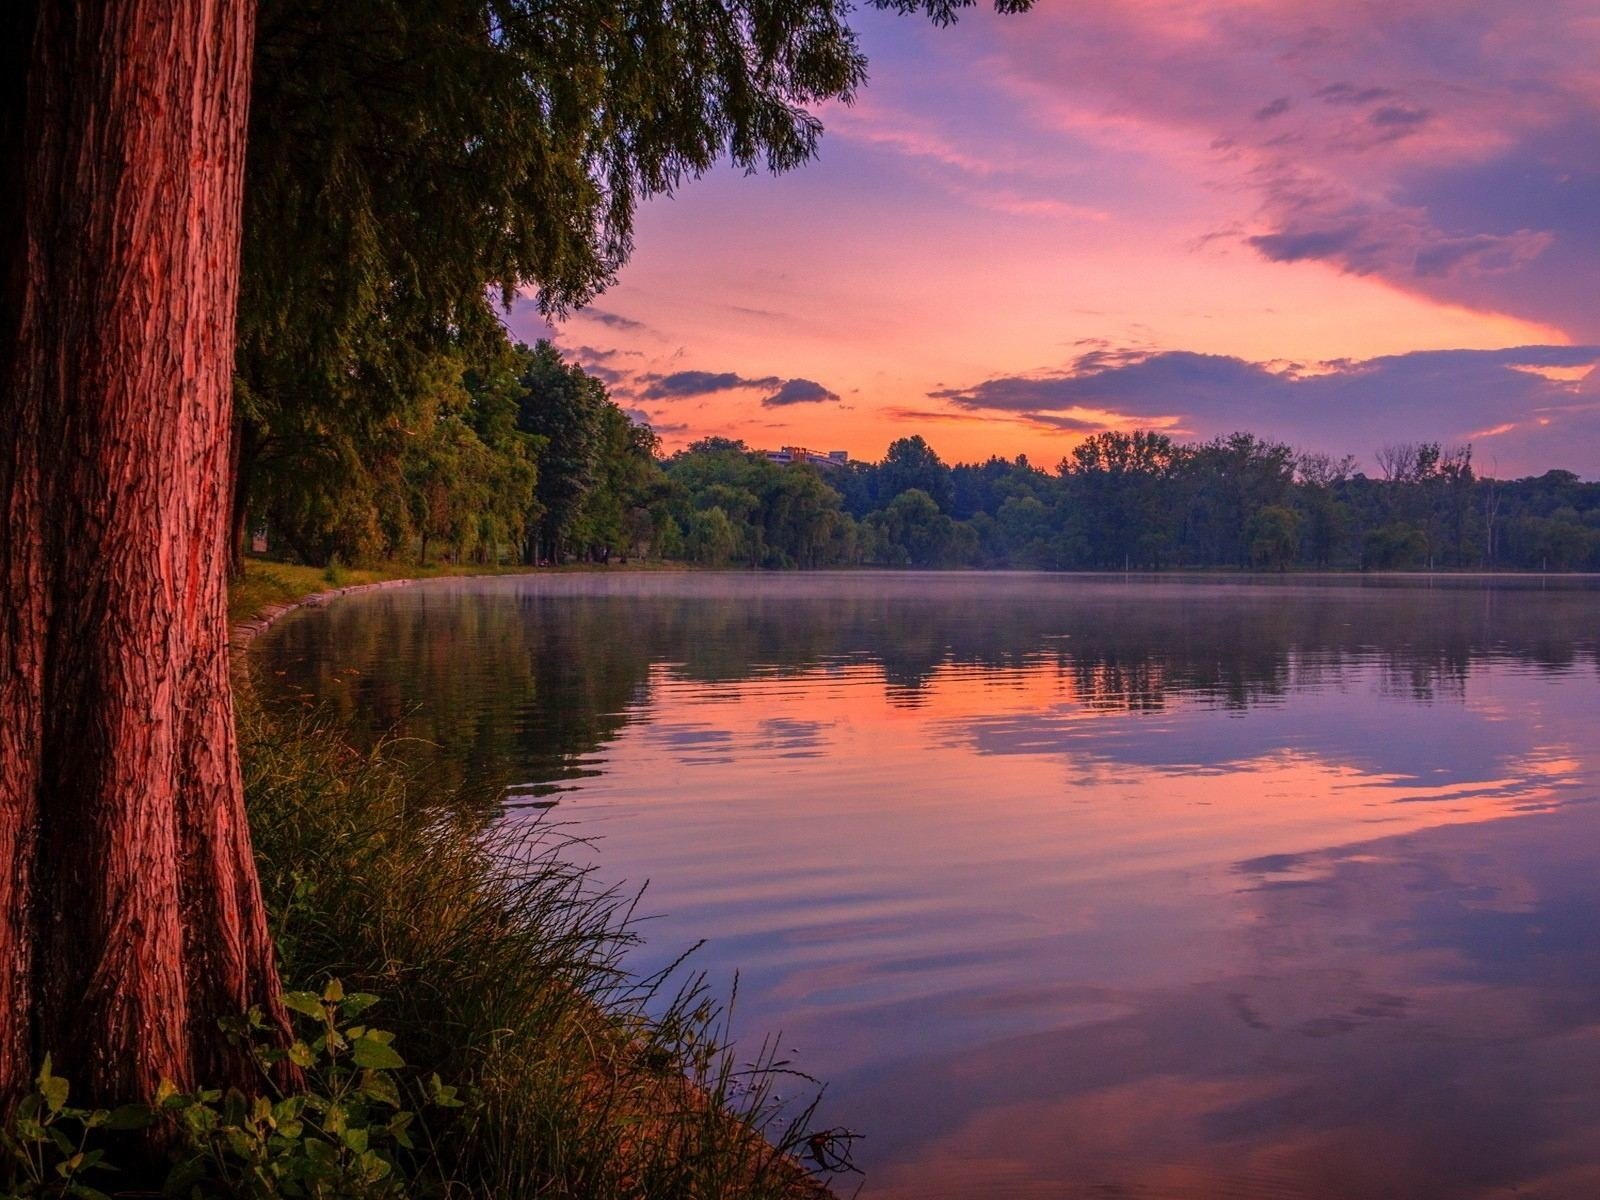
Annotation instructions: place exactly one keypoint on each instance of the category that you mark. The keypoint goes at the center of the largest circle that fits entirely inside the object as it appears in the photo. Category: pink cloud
(1355, 129)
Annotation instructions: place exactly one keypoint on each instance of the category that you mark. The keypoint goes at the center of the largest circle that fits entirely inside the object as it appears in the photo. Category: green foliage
(912, 531)
(521, 454)
(911, 464)
(49, 1145)
(410, 162)
(598, 479)
(1272, 534)
(559, 403)
(1127, 482)
(528, 454)
(710, 539)
(1393, 546)
(735, 504)
(346, 1133)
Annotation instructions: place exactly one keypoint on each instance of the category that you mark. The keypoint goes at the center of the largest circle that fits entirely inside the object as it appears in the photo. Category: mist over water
(1071, 886)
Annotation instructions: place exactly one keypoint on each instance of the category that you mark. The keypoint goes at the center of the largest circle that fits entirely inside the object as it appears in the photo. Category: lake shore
(270, 588)
(498, 966)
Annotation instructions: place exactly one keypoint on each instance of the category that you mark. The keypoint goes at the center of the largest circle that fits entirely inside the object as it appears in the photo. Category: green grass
(500, 967)
(267, 582)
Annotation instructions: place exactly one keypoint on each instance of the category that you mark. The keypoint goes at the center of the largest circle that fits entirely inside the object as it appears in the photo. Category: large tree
(407, 154)
(130, 917)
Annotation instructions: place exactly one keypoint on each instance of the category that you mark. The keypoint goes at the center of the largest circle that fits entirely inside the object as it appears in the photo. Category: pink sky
(1291, 216)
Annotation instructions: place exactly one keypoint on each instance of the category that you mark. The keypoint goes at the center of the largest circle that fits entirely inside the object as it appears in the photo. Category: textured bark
(130, 915)
(22, 613)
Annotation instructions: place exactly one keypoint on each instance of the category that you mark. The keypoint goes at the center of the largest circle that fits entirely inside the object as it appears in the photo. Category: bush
(344, 1133)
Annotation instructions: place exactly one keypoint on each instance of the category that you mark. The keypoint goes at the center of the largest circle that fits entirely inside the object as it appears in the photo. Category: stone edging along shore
(242, 633)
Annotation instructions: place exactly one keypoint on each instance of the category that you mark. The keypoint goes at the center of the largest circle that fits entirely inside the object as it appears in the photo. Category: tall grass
(501, 967)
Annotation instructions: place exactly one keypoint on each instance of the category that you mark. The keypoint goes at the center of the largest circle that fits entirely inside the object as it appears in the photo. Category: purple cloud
(1449, 147)
(611, 319)
(682, 384)
(1529, 407)
(800, 391)
(1347, 93)
(1398, 116)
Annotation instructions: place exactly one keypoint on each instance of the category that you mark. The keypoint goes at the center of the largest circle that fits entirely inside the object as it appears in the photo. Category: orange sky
(1276, 183)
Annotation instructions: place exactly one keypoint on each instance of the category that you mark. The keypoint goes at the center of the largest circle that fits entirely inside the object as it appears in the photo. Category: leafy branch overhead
(408, 161)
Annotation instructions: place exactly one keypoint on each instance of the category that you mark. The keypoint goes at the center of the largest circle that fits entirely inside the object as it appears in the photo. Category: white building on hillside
(794, 454)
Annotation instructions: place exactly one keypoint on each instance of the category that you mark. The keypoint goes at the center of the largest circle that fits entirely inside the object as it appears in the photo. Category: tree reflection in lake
(1074, 886)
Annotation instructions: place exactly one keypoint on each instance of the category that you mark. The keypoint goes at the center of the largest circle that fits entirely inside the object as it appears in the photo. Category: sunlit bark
(130, 915)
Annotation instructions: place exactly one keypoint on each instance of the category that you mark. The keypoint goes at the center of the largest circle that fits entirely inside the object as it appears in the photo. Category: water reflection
(1074, 887)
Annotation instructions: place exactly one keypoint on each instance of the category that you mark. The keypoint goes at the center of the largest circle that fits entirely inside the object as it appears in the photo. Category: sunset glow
(1181, 215)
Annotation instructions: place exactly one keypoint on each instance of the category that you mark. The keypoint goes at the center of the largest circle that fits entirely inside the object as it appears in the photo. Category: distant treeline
(529, 457)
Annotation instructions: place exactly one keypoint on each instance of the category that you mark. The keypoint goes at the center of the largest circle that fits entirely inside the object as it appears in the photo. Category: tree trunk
(130, 914)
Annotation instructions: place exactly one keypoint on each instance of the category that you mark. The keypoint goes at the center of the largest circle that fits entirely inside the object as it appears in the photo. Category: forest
(528, 458)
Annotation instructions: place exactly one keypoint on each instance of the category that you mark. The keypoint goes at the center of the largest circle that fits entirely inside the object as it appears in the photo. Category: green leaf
(441, 1095)
(371, 1053)
(397, 1128)
(334, 992)
(357, 1003)
(52, 1088)
(381, 1088)
(300, 1054)
(306, 1003)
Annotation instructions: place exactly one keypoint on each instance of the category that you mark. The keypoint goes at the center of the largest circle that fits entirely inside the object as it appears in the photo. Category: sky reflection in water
(1074, 887)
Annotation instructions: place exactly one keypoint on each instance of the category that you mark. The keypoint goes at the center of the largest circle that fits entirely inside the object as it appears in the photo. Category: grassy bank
(499, 967)
(267, 583)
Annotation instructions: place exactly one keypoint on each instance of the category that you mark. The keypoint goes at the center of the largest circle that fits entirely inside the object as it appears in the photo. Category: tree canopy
(533, 459)
(410, 163)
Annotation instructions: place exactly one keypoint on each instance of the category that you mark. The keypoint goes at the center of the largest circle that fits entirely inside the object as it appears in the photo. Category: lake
(1071, 886)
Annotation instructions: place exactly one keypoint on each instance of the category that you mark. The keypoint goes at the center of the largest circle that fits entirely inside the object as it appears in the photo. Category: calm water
(1074, 887)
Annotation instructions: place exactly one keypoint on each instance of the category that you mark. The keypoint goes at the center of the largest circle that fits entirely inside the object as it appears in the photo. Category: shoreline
(245, 627)
(242, 632)
(614, 1061)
